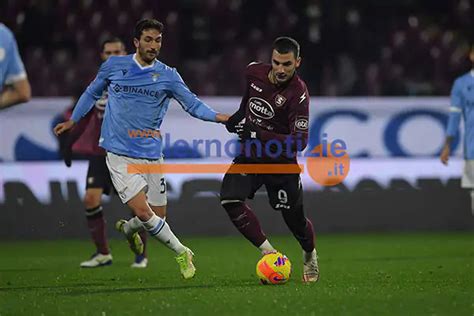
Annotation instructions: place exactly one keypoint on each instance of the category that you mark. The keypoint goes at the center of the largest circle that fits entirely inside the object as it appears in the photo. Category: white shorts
(467, 180)
(129, 185)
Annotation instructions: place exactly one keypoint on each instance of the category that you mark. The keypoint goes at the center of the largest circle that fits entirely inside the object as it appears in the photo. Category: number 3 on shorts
(163, 185)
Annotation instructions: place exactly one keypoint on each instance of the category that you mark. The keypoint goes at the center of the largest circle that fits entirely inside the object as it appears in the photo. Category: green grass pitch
(369, 274)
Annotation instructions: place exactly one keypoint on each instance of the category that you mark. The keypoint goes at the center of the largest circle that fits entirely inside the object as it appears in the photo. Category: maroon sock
(96, 224)
(144, 236)
(301, 227)
(307, 242)
(246, 222)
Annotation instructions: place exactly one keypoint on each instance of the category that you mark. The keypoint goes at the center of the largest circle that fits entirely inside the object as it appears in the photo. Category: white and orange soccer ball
(274, 268)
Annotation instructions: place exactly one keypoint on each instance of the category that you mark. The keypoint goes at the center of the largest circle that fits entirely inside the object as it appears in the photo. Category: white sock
(266, 247)
(160, 229)
(308, 256)
(133, 225)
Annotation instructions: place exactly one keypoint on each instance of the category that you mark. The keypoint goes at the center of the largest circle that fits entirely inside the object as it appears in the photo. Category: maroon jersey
(279, 113)
(85, 136)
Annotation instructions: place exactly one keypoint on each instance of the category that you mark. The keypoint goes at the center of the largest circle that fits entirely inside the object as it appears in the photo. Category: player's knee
(159, 210)
(141, 210)
(91, 200)
(142, 213)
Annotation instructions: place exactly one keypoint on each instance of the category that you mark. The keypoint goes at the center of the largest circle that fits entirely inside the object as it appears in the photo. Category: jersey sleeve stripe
(454, 109)
(15, 78)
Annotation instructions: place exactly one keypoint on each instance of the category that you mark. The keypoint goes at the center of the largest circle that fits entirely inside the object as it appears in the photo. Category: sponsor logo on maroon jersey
(261, 108)
(301, 123)
(303, 97)
(254, 86)
(279, 100)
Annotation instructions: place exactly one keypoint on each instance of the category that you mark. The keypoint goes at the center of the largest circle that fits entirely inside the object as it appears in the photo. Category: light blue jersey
(138, 100)
(11, 66)
(462, 102)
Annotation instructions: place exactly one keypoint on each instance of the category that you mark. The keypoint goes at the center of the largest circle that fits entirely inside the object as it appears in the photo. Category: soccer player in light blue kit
(14, 85)
(462, 103)
(140, 88)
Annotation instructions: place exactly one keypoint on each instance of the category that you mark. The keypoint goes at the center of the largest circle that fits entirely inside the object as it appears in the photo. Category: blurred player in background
(83, 143)
(14, 85)
(139, 91)
(275, 107)
(462, 103)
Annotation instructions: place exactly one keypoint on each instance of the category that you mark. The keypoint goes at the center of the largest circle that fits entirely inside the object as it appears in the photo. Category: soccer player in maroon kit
(83, 143)
(272, 123)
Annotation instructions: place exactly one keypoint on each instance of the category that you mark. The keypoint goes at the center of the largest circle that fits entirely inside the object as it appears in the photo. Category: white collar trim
(140, 66)
(472, 72)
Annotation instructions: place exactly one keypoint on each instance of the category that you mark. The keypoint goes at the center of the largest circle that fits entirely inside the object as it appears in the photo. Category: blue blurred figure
(14, 85)
(462, 104)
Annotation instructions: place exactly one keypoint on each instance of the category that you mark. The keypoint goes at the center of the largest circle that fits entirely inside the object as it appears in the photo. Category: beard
(147, 55)
(282, 78)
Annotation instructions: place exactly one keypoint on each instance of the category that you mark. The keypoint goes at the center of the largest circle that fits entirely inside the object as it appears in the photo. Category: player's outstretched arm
(93, 92)
(84, 105)
(222, 118)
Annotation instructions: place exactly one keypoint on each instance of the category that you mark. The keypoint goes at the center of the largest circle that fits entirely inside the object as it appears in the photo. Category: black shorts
(284, 191)
(98, 176)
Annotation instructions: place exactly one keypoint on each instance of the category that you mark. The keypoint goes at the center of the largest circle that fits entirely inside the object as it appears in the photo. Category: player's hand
(246, 131)
(444, 157)
(222, 118)
(232, 127)
(63, 127)
(233, 122)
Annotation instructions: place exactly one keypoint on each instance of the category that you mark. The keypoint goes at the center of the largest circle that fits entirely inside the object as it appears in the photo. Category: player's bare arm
(444, 157)
(222, 118)
(63, 127)
(18, 92)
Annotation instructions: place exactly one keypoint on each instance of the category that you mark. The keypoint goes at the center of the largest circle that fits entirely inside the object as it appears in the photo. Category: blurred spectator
(413, 47)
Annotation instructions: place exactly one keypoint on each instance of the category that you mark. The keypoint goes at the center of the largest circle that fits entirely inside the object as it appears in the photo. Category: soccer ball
(274, 268)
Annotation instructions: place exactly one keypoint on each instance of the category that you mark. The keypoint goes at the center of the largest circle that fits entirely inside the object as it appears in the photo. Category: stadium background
(389, 47)
(364, 53)
(379, 72)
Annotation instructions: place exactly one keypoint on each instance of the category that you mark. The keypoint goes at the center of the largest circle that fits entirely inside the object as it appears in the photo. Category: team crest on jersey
(124, 72)
(279, 100)
(154, 76)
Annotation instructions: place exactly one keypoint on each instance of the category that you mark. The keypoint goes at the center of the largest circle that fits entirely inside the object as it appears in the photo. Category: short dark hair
(147, 24)
(285, 44)
(111, 40)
